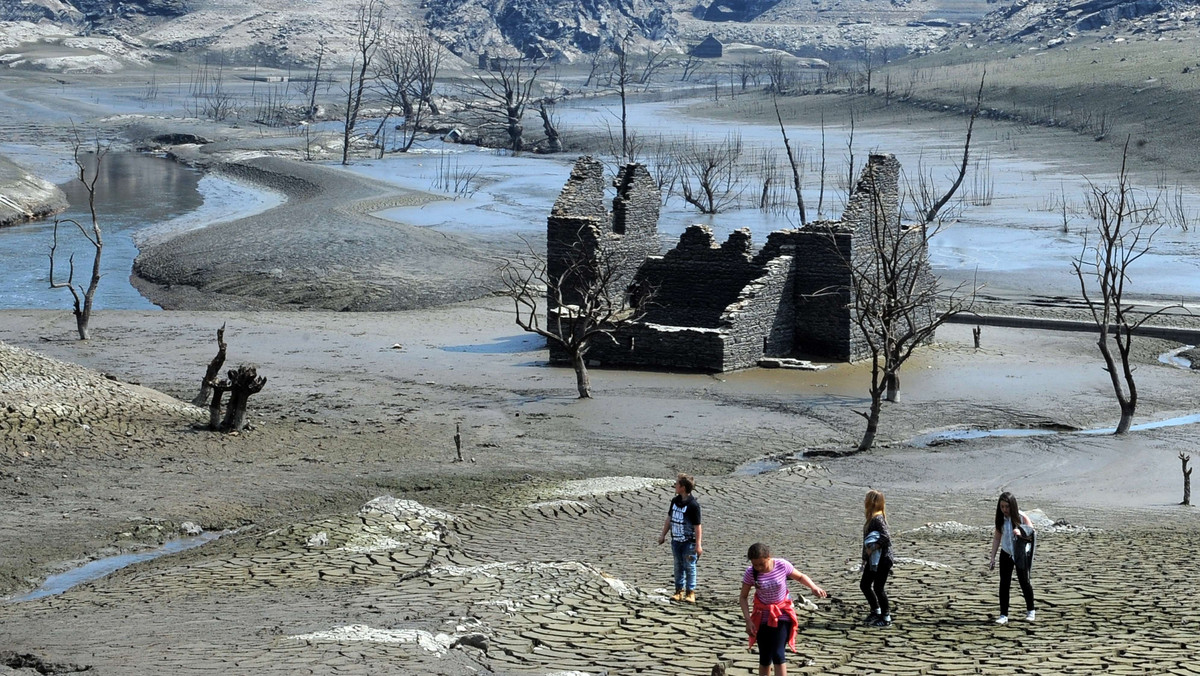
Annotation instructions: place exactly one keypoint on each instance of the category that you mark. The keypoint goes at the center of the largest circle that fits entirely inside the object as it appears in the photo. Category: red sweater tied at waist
(772, 613)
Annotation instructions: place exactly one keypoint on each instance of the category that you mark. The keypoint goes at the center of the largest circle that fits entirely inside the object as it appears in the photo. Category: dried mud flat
(509, 563)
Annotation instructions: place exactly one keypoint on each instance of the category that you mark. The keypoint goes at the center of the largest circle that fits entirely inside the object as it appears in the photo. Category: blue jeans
(685, 564)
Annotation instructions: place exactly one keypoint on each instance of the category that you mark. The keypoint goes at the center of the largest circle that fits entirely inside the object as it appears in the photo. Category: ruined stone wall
(576, 222)
(697, 280)
(821, 288)
(662, 347)
(579, 225)
(720, 308)
(762, 322)
(634, 222)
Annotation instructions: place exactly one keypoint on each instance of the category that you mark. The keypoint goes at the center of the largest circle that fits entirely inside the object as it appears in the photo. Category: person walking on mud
(877, 560)
(683, 523)
(1014, 537)
(772, 621)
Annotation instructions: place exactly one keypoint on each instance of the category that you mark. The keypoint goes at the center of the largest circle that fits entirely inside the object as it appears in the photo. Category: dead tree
(1187, 478)
(406, 72)
(502, 94)
(458, 442)
(1126, 221)
(656, 60)
(368, 32)
(793, 161)
(583, 301)
(82, 297)
(214, 367)
(623, 77)
(309, 87)
(550, 126)
(896, 304)
(708, 174)
(895, 301)
(240, 383)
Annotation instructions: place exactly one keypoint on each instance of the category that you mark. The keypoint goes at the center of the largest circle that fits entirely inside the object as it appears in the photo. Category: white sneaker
(1029, 616)
(1003, 619)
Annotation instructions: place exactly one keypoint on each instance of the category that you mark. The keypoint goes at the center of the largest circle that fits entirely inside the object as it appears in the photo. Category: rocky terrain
(1051, 24)
(96, 36)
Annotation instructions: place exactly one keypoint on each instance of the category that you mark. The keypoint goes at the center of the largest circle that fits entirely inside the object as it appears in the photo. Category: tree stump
(240, 383)
(1187, 478)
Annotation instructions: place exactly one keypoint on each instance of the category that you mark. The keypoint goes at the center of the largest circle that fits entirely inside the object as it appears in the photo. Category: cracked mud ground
(494, 573)
(574, 582)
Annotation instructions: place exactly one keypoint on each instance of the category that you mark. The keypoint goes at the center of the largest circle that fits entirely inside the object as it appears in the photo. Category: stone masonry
(723, 307)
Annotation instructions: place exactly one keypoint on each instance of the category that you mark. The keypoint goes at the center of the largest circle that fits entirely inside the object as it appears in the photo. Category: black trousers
(1006, 570)
(872, 584)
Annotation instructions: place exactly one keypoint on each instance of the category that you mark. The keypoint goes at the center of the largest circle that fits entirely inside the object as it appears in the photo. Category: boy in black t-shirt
(683, 523)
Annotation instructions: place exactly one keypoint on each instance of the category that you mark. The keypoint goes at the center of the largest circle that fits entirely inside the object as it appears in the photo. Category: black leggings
(772, 641)
(872, 585)
(1006, 570)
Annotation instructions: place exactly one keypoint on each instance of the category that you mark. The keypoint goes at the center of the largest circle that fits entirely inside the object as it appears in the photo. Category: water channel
(138, 197)
(94, 570)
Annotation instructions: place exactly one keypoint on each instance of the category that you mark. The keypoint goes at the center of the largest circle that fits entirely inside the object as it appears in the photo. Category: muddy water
(133, 191)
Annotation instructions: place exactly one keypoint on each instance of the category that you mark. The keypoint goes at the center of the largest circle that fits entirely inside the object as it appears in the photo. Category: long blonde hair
(874, 506)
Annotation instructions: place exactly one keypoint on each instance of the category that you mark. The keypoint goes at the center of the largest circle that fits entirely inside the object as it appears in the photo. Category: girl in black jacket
(876, 539)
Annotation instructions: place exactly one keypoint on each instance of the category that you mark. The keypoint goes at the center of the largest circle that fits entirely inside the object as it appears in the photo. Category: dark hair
(1014, 514)
(686, 480)
(757, 551)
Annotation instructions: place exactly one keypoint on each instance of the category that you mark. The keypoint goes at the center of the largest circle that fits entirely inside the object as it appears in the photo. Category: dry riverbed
(505, 551)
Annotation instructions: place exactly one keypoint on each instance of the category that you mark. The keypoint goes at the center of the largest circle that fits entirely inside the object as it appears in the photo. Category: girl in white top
(1008, 527)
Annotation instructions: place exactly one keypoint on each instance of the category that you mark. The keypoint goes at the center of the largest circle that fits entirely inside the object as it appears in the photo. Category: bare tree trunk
(868, 438)
(892, 380)
(1127, 407)
(214, 408)
(553, 142)
(214, 368)
(977, 334)
(582, 381)
(1187, 479)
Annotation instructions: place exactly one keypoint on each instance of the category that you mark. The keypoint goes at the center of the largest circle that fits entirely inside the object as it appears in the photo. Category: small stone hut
(709, 48)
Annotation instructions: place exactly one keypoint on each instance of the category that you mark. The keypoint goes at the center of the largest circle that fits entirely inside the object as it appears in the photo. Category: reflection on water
(133, 191)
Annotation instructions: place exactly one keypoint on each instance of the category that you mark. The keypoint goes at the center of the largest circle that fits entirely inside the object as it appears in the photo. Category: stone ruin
(722, 307)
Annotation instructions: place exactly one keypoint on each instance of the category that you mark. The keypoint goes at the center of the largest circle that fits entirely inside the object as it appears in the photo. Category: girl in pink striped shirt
(772, 622)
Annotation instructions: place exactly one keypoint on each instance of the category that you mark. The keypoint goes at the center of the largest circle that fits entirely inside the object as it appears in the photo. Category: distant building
(709, 48)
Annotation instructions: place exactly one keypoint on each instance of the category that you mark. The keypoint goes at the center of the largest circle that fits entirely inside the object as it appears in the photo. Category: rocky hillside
(1050, 24)
(548, 27)
(286, 32)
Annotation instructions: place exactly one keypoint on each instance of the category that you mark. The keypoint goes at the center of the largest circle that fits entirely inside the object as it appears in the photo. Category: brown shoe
(678, 595)
(691, 597)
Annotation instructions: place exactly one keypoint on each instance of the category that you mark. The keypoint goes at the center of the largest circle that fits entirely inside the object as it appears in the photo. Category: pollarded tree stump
(240, 383)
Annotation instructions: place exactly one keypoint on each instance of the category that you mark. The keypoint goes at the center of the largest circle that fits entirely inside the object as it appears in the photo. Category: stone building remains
(723, 307)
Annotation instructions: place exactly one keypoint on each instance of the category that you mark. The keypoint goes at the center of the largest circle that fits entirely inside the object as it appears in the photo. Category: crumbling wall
(576, 222)
(634, 236)
(697, 280)
(643, 345)
(762, 321)
(821, 290)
